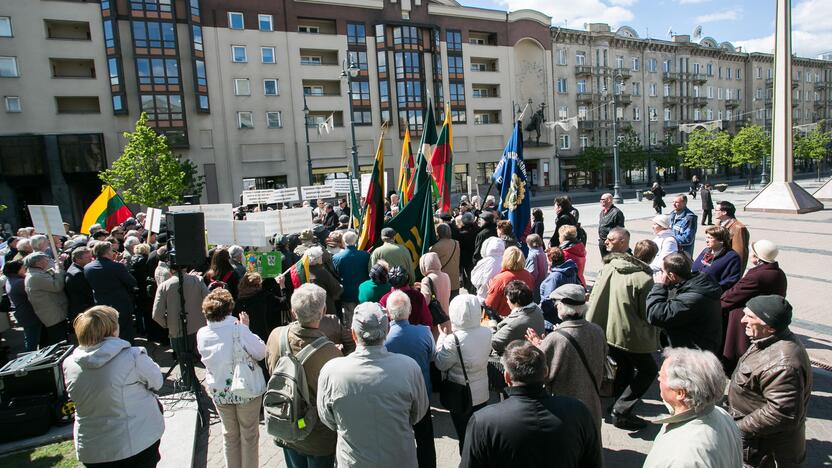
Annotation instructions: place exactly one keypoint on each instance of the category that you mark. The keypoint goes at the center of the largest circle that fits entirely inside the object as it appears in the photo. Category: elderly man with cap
(45, 288)
(575, 351)
(770, 389)
(664, 240)
(307, 240)
(764, 277)
(393, 253)
(372, 398)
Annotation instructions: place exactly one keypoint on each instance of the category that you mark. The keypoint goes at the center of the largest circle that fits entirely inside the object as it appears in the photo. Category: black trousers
(425, 448)
(707, 217)
(636, 372)
(54, 334)
(147, 458)
(460, 421)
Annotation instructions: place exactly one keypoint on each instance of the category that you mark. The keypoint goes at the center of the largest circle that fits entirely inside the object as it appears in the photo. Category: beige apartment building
(240, 88)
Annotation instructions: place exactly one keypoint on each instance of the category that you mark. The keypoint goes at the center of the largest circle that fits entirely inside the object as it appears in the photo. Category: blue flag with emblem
(510, 176)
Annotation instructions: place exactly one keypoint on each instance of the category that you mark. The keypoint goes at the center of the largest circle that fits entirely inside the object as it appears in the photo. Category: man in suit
(77, 288)
(707, 205)
(112, 285)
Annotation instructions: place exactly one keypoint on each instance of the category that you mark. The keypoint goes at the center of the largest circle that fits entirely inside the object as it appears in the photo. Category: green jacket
(618, 304)
(395, 255)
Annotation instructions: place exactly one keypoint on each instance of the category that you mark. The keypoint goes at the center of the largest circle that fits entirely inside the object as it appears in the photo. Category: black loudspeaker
(186, 238)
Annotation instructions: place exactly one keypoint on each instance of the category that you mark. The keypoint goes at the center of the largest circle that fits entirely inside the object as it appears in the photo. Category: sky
(746, 23)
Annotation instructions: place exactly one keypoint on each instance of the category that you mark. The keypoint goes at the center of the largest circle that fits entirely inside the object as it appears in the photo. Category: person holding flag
(515, 196)
(406, 170)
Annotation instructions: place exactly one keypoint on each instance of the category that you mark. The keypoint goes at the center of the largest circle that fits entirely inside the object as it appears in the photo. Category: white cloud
(691, 2)
(724, 15)
(577, 12)
(811, 30)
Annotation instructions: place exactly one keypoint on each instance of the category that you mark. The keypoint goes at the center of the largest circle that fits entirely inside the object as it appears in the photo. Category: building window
(580, 86)
(739, 74)
(310, 60)
(636, 114)
(455, 65)
(619, 61)
(313, 91)
(162, 107)
(267, 55)
(151, 5)
(238, 54)
(235, 20)
(309, 29)
(409, 91)
(242, 87)
(360, 91)
(636, 64)
(381, 61)
(636, 88)
(362, 117)
(667, 114)
(651, 65)
(651, 114)
(245, 120)
(562, 86)
(666, 90)
(654, 89)
(5, 26)
(456, 91)
(265, 22)
(274, 119)
(201, 77)
(202, 102)
(561, 56)
(118, 103)
(696, 68)
(565, 144)
(152, 34)
(384, 91)
(8, 67)
(157, 71)
(112, 68)
(12, 104)
(197, 33)
(584, 141)
(458, 116)
(453, 39)
(728, 72)
(358, 58)
(563, 112)
(270, 87)
(356, 34)
(580, 58)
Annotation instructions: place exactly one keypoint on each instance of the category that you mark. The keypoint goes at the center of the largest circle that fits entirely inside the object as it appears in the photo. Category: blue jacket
(683, 226)
(111, 284)
(351, 265)
(565, 273)
(725, 269)
(415, 341)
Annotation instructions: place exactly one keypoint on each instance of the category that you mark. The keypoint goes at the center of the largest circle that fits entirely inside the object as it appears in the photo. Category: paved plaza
(805, 256)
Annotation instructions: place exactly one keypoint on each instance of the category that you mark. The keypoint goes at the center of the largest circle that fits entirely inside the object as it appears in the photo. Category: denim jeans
(31, 337)
(295, 459)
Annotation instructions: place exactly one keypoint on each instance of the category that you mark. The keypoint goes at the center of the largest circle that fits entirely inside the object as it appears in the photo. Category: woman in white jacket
(240, 417)
(475, 346)
(490, 265)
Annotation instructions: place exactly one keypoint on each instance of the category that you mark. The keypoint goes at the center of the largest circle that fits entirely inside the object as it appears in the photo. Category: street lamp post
(763, 175)
(349, 73)
(306, 128)
(650, 164)
(618, 82)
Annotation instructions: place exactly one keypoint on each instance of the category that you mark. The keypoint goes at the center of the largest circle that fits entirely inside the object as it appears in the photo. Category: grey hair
(350, 238)
(698, 373)
(79, 252)
(443, 231)
(398, 305)
(308, 303)
(131, 242)
(39, 242)
(24, 242)
(620, 231)
(571, 312)
(235, 252)
(100, 248)
(315, 255)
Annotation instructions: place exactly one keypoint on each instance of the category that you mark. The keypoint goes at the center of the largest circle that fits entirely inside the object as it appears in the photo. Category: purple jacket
(725, 269)
(538, 266)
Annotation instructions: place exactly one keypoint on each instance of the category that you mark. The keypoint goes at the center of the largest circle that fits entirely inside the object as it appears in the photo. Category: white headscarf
(490, 265)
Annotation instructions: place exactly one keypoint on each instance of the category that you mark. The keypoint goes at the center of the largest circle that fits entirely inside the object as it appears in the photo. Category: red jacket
(577, 253)
(496, 298)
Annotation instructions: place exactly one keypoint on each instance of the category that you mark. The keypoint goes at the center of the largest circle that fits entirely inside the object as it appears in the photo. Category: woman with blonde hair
(513, 268)
(118, 420)
(224, 342)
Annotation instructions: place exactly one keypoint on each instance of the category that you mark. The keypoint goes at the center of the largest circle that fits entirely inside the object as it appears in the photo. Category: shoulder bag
(610, 368)
(455, 397)
(437, 314)
(247, 379)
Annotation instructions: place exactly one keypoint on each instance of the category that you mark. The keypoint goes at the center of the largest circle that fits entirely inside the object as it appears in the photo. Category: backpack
(289, 413)
(221, 283)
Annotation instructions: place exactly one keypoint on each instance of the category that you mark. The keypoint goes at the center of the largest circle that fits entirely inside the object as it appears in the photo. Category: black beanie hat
(774, 310)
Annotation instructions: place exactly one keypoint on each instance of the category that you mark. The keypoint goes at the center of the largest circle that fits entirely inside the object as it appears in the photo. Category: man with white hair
(664, 239)
(415, 341)
(698, 432)
(236, 254)
(352, 266)
(372, 398)
(308, 305)
(24, 248)
(45, 288)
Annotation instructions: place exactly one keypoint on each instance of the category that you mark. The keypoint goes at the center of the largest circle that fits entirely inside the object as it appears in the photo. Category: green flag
(414, 224)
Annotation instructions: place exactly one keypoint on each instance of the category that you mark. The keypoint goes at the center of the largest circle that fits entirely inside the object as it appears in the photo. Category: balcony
(320, 88)
(587, 125)
(624, 72)
(670, 100)
(670, 124)
(487, 117)
(668, 77)
(770, 83)
(484, 64)
(624, 99)
(583, 70)
(317, 57)
(67, 30)
(697, 101)
(485, 90)
(316, 26)
(78, 104)
(584, 97)
(482, 38)
(72, 68)
(732, 103)
(697, 78)
(819, 105)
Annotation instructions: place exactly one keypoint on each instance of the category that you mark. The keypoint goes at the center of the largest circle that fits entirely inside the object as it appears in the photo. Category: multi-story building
(238, 86)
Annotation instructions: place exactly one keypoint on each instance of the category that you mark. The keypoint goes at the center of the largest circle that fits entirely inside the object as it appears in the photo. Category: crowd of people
(521, 346)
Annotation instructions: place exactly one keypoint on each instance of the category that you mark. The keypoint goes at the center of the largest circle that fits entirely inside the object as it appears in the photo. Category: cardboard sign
(220, 211)
(153, 220)
(365, 184)
(270, 220)
(343, 185)
(47, 219)
(268, 264)
(313, 192)
(220, 232)
(286, 195)
(257, 197)
(295, 220)
(247, 233)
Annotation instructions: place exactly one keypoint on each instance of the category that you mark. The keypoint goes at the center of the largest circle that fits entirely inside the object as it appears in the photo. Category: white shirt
(667, 245)
(215, 343)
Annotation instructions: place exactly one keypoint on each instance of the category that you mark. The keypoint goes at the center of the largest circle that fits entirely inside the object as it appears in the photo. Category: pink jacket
(431, 267)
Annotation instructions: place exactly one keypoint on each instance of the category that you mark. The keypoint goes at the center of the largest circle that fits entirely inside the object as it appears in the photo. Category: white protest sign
(286, 195)
(270, 220)
(220, 231)
(469, 186)
(311, 192)
(257, 197)
(184, 209)
(295, 220)
(220, 211)
(365, 184)
(343, 185)
(153, 220)
(250, 233)
(47, 219)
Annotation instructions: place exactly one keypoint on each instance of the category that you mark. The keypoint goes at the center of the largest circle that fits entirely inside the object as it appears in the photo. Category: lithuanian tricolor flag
(406, 170)
(442, 162)
(108, 210)
(299, 272)
(374, 206)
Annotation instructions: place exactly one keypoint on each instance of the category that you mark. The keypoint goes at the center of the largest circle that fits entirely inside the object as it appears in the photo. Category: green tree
(631, 154)
(667, 157)
(812, 146)
(707, 149)
(591, 161)
(194, 182)
(749, 146)
(147, 172)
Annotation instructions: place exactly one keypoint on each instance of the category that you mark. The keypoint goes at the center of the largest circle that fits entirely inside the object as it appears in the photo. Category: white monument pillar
(824, 194)
(782, 195)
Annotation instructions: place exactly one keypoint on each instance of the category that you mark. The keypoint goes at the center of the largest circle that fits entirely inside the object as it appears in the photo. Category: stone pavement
(805, 255)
